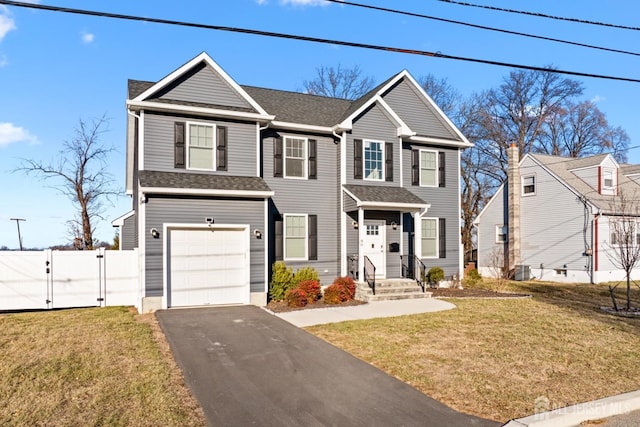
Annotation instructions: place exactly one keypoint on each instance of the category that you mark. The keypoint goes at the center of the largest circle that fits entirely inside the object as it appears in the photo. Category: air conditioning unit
(523, 272)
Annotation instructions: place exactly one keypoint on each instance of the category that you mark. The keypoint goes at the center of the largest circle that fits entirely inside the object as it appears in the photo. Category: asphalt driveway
(248, 367)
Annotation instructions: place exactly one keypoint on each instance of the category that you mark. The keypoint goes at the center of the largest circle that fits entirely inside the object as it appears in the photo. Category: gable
(374, 123)
(204, 85)
(419, 115)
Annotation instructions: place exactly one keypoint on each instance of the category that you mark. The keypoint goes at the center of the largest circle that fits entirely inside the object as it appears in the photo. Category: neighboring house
(559, 226)
(226, 179)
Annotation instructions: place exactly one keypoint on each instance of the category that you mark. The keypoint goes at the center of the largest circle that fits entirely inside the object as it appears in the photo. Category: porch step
(391, 289)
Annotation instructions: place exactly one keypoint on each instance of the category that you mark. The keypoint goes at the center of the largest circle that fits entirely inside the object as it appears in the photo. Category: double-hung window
(429, 238)
(373, 160)
(201, 147)
(501, 233)
(295, 237)
(528, 185)
(295, 165)
(428, 168)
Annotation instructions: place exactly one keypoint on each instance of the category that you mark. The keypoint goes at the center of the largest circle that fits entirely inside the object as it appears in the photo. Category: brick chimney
(513, 184)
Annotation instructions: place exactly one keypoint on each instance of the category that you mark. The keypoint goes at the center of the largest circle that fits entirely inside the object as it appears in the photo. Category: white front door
(373, 245)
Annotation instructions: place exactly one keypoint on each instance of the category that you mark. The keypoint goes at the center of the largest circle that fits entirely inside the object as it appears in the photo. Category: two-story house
(226, 179)
(555, 216)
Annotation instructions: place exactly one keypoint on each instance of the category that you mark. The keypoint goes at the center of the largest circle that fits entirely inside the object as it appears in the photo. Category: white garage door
(209, 266)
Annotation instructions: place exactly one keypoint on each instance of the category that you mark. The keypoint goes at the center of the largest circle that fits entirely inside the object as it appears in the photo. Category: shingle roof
(562, 167)
(136, 87)
(380, 194)
(201, 181)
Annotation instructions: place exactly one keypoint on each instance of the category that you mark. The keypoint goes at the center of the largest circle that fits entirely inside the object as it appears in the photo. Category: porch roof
(202, 183)
(385, 198)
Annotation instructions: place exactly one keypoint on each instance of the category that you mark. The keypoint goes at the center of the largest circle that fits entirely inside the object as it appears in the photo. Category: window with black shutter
(277, 157)
(313, 237)
(388, 161)
(179, 146)
(313, 164)
(442, 237)
(277, 232)
(221, 148)
(357, 159)
(441, 170)
(415, 167)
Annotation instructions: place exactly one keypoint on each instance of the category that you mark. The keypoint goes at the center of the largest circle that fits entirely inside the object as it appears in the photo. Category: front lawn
(99, 366)
(494, 358)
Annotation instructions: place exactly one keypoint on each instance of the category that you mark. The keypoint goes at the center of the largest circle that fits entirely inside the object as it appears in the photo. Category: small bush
(311, 289)
(281, 281)
(296, 297)
(305, 273)
(435, 275)
(347, 285)
(333, 294)
(471, 278)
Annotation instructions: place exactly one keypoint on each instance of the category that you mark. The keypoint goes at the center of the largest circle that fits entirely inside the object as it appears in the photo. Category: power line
(542, 15)
(483, 27)
(314, 39)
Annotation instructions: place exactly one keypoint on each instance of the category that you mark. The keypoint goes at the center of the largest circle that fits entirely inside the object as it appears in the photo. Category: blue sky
(56, 68)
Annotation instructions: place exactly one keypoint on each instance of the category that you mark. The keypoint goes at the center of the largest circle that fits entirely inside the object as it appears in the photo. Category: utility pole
(17, 220)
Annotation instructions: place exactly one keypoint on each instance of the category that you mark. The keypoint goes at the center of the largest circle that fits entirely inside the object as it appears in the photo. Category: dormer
(600, 172)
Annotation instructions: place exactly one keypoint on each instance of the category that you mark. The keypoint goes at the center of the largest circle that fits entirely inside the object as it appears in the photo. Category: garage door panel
(208, 267)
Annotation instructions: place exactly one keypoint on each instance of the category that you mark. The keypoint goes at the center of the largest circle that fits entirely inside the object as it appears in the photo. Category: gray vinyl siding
(588, 175)
(551, 224)
(205, 86)
(319, 197)
(161, 210)
(373, 125)
(420, 116)
(352, 235)
(129, 233)
(444, 203)
(494, 213)
(349, 203)
(159, 144)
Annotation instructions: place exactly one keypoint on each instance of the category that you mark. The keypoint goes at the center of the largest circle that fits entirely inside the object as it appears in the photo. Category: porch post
(361, 234)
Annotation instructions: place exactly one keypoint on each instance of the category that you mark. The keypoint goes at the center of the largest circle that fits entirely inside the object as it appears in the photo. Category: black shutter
(313, 164)
(415, 167)
(179, 137)
(441, 170)
(221, 149)
(279, 243)
(357, 159)
(442, 236)
(313, 237)
(388, 161)
(277, 157)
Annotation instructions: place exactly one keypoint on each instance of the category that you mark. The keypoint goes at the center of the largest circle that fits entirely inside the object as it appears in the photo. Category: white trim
(460, 245)
(140, 165)
(207, 192)
(300, 126)
(284, 236)
(344, 218)
(382, 230)
(437, 238)
(402, 128)
(119, 222)
(204, 111)
(258, 153)
(439, 141)
(401, 225)
(305, 157)
(382, 161)
(167, 227)
(142, 247)
(188, 66)
(187, 145)
(435, 171)
(400, 157)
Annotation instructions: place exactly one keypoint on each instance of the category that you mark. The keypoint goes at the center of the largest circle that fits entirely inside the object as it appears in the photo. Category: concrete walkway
(320, 316)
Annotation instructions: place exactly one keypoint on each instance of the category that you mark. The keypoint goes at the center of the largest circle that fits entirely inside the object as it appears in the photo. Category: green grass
(103, 366)
(493, 358)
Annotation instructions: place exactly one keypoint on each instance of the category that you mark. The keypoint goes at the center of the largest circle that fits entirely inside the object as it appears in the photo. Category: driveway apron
(248, 367)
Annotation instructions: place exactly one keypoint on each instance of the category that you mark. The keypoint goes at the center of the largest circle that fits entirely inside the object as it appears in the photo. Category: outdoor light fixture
(155, 233)
(394, 225)
(257, 233)
(355, 224)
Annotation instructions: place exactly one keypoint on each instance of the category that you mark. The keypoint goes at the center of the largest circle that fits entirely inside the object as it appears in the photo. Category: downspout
(140, 219)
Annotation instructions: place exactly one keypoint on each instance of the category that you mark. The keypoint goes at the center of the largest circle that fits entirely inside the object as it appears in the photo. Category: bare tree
(581, 129)
(345, 83)
(80, 171)
(624, 246)
(446, 97)
(499, 267)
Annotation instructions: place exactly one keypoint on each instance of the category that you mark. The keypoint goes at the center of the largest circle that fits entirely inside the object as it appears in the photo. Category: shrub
(312, 290)
(348, 287)
(333, 294)
(281, 281)
(296, 297)
(471, 278)
(305, 273)
(435, 275)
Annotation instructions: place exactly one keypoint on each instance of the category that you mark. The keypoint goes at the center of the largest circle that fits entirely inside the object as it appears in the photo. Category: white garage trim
(167, 228)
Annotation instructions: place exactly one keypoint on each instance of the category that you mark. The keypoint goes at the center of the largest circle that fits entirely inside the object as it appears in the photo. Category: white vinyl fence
(63, 279)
